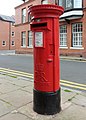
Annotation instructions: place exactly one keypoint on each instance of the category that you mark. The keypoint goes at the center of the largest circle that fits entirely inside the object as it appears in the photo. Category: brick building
(7, 33)
(23, 35)
(72, 27)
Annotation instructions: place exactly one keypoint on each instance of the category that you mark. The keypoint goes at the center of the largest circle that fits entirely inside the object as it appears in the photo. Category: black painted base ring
(46, 102)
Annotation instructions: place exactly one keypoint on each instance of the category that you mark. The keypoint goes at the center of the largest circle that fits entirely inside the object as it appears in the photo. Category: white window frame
(23, 15)
(30, 39)
(13, 33)
(12, 43)
(23, 39)
(77, 36)
(72, 5)
(44, 1)
(63, 36)
(3, 43)
(29, 18)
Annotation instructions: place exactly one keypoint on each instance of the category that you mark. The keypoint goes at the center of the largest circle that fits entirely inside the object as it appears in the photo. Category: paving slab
(14, 116)
(28, 111)
(67, 95)
(3, 80)
(17, 98)
(74, 112)
(79, 100)
(21, 83)
(28, 88)
(65, 105)
(7, 87)
(5, 108)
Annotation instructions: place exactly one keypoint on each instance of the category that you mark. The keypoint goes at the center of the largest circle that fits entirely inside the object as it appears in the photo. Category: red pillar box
(45, 26)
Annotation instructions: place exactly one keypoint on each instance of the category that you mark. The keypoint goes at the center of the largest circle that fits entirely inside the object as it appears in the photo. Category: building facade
(24, 37)
(72, 27)
(7, 31)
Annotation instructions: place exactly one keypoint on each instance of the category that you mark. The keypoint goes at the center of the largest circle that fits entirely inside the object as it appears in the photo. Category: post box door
(43, 64)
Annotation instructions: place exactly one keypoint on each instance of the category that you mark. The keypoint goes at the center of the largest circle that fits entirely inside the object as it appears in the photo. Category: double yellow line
(16, 73)
(28, 75)
(73, 85)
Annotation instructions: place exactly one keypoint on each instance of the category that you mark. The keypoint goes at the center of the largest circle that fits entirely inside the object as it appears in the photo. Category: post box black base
(46, 102)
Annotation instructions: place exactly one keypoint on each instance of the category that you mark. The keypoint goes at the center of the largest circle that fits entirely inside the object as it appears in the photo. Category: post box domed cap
(45, 11)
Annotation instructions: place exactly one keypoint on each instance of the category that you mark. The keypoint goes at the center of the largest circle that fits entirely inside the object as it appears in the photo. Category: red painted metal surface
(45, 26)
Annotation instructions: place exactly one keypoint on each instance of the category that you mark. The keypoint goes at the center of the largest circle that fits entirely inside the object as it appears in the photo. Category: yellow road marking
(73, 60)
(73, 86)
(19, 74)
(65, 81)
(28, 75)
(4, 69)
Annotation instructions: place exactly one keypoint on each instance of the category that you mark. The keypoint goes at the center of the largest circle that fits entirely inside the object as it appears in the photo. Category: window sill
(63, 47)
(29, 46)
(23, 46)
(3, 45)
(77, 48)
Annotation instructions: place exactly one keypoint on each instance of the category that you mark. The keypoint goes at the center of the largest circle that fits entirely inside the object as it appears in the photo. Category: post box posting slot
(40, 25)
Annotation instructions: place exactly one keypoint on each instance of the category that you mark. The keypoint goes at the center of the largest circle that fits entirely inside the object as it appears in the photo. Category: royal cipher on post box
(45, 27)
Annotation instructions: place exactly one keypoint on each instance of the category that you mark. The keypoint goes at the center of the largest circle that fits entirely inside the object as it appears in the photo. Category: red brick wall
(4, 35)
(84, 3)
(23, 27)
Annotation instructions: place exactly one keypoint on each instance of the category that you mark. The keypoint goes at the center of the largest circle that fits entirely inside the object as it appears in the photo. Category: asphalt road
(74, 71)
(17, 62)
(70, 70)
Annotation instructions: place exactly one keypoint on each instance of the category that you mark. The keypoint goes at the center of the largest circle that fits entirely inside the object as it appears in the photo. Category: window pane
(3, 43)
(77, 35)
(63, 35)
(24, 15)
(23, 42)
(29, 18)
(68, 4)
(60, 2)
(77, 3)
(12, 34)
(30, 38)
(12, 43)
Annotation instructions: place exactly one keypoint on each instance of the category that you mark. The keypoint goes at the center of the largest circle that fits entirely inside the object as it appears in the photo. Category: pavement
(16, 101)
(7, 52)
(12, 52)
